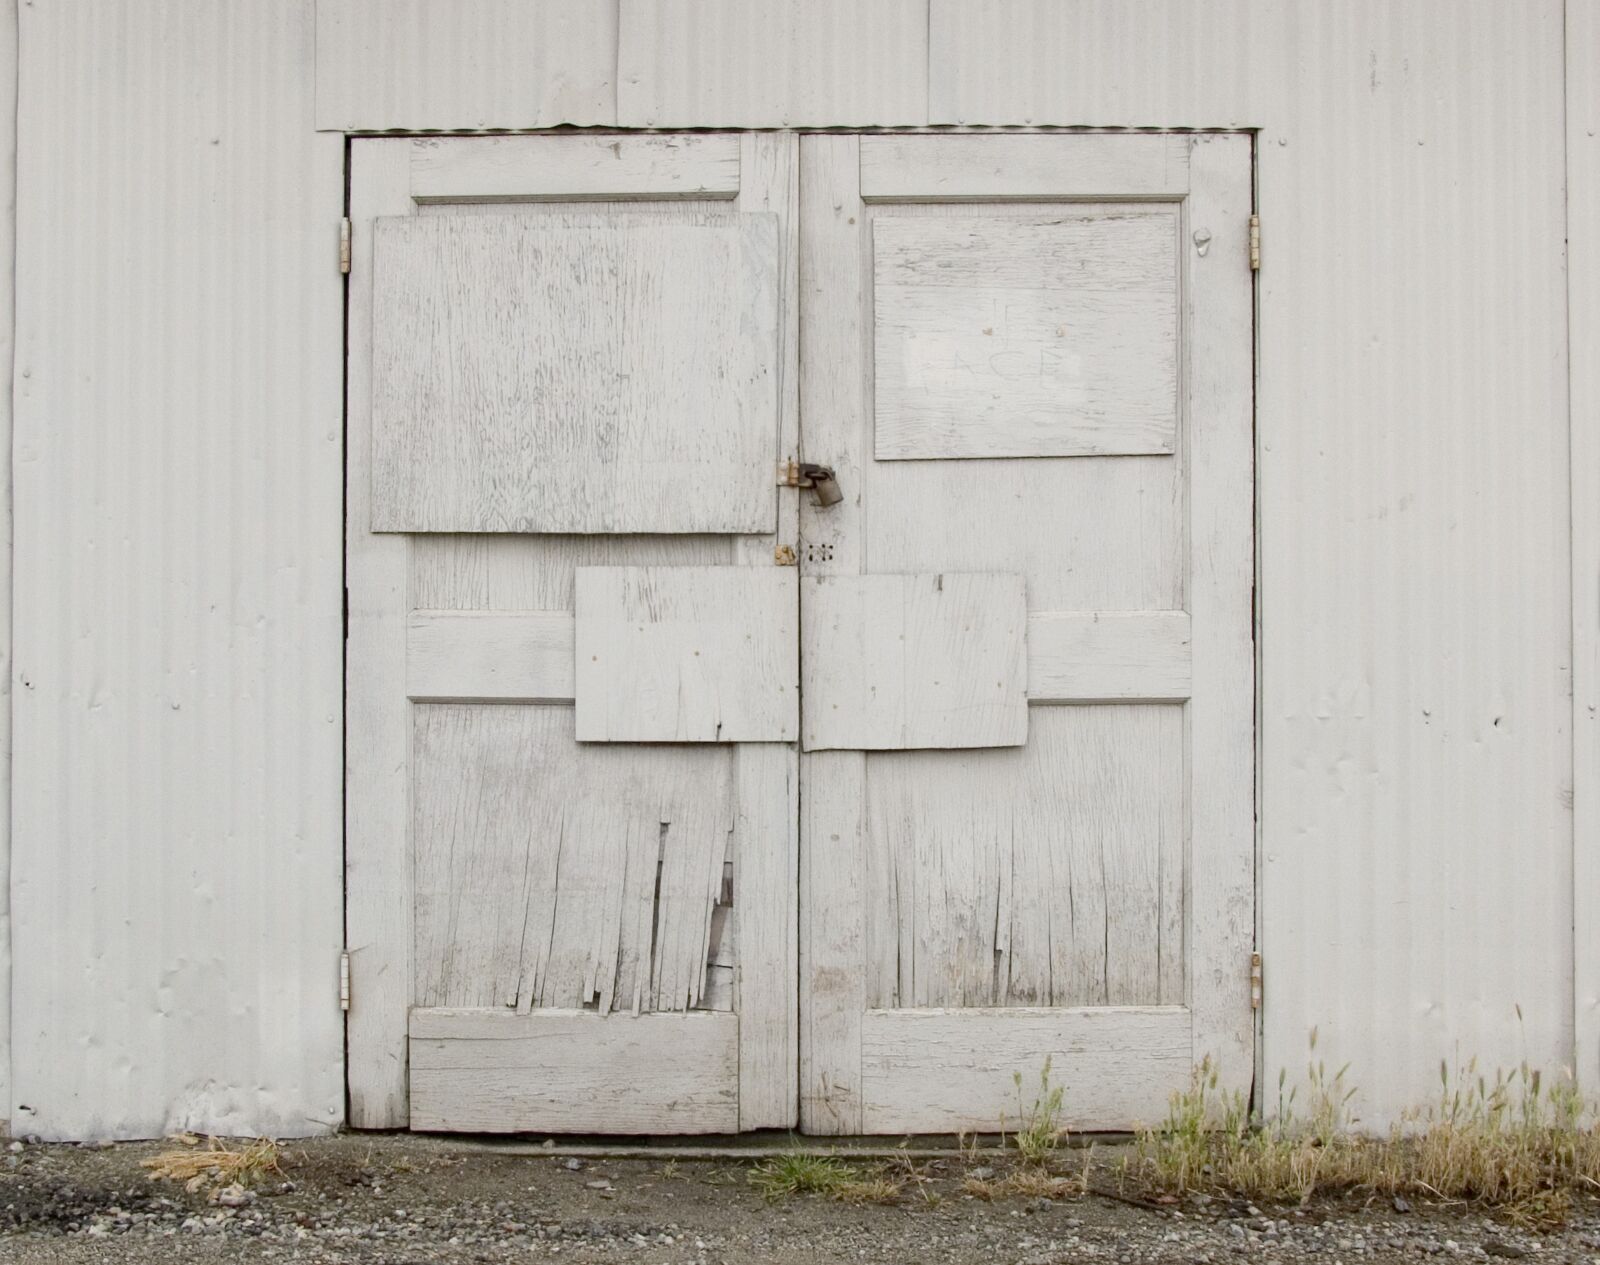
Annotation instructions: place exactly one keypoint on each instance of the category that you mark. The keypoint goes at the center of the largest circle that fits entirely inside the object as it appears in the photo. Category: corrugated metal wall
(1583, 338)
(178, 493)
(8, 226)
(176, 878)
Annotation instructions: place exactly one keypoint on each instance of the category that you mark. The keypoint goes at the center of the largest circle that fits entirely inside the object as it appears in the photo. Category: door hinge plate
(1255, 243)
(344, 980)
(1255, 981)
(344, 246)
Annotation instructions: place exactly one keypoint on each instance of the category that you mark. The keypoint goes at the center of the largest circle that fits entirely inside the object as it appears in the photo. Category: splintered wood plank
(902, 661)
(513, 656)
(951, 1071)
(1006, 337)
(550, 874)
(483, 1071)
(1104, 656)
(573, 168)
(687, 654)
(993, 168)
(1043, 875)
(580, 373)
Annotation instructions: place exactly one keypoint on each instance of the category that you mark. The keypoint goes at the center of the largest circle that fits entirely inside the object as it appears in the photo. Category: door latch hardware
(820, 479)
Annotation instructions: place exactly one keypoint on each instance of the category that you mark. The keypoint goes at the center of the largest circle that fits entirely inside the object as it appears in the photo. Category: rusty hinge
(1255, 243)
(344, 246)
(1255, 981)
(344, 980)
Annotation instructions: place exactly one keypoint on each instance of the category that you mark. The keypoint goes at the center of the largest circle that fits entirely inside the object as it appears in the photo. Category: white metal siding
(178, 479)
(1583, 337)
(465, 64)
(8, 224)
(176, 873)
(772, 63)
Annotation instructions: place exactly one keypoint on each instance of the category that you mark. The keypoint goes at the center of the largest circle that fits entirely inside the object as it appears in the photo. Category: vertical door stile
(766, 844)
(1221, 579)
(378, 874)
(834, 388)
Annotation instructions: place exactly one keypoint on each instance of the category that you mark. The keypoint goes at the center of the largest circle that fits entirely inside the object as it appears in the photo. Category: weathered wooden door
(680, 801)
(1027, 684)
(571, 379)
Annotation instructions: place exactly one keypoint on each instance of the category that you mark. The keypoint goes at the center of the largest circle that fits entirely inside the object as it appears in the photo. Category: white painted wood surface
(421, 64)
(771, 63)
(900, 661)
(1007, 337)
(1583, 332)
(1221, 705)
(1105, 656)
(999, 168)
(834, 411)
(378, 874)
(481, 1071)
(508, 656)
(953, 1071)
(576, 167)
(517, 656)
(576, 375)
(688, 654)
(971, 900)
(767, 836)
(1045, 875)
(550, 873)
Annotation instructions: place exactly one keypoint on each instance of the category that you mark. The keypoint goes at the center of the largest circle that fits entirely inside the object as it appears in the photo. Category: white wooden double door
(681, 802)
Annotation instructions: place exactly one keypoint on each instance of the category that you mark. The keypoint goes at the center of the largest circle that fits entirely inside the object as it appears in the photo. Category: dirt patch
(406, 1200)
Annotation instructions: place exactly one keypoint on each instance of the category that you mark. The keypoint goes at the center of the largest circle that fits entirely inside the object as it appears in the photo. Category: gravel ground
(406, 1200)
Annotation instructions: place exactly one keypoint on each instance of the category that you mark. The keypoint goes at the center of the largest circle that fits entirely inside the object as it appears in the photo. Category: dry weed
(213, 1164)
(1514, 1144)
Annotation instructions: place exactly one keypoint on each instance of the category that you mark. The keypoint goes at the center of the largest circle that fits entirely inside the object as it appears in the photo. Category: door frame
(382, 1114)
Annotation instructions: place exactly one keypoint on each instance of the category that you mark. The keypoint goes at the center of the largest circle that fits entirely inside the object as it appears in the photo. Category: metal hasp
(820, 479)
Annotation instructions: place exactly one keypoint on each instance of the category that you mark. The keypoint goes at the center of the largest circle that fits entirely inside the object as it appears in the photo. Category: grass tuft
(1513, 1143)
(1039, 1131)
(801, 1173)
(214, 1164)
(805, 1173)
